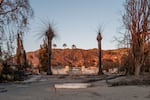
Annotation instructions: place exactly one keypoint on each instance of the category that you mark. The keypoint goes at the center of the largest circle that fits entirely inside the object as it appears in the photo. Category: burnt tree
(136, 20)
(99, 38)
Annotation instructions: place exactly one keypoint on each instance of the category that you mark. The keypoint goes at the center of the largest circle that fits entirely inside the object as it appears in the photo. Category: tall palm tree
(54, 45)
(73, 46)
(99, 38)
(64, 45)
(49, 34)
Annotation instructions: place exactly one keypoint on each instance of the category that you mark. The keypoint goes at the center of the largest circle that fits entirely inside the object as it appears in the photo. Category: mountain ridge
(78, 57)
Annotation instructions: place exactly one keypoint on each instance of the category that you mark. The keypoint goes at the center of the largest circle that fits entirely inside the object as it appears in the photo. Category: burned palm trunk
(49, 71)
(49, 35)
(99, 38)
(20, 54)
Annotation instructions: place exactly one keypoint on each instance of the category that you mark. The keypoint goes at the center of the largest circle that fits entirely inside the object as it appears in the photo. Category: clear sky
(76, 22)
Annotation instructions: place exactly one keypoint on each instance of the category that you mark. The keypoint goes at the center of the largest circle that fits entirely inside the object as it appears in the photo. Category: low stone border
(72, 85)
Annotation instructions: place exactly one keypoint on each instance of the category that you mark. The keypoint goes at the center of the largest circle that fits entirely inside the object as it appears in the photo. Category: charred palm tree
(73, 46)
(20, 52)
(54, 45)
(49, 34)
(64, 45)
(99, 38)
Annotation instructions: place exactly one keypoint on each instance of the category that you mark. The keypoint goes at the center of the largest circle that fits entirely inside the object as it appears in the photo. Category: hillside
(78, 57)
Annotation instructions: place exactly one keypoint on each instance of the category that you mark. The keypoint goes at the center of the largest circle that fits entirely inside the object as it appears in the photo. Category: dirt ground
(42, 88)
